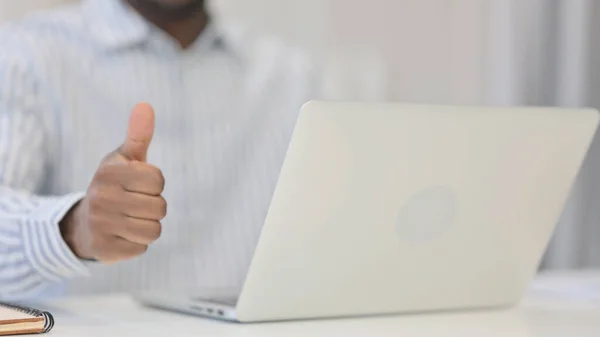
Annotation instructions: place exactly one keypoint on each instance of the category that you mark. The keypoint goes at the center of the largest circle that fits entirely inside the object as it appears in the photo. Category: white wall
(11, 9)
(431, 49)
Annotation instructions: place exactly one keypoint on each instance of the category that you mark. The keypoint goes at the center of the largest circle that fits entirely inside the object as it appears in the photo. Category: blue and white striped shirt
(225, 110)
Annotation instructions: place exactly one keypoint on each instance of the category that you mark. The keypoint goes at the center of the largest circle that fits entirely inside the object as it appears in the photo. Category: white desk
(557, 305)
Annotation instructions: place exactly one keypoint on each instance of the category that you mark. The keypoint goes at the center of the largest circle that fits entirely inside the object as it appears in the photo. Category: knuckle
(112, 173)
(142, 249)
(146, 177)
(155, 177)
(105, 172)
(155, 231)
(134, 165)
(92, 193)
(159, 208)
(94, 199)
(161, 180)
(114, 157)
(137, 250)
(99, 197)
(138, 168)
(162, 207)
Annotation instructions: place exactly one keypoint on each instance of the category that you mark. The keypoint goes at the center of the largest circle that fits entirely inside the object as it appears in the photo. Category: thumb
(139, 133)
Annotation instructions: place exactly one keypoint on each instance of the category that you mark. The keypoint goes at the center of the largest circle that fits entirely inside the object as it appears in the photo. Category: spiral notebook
(20, 320)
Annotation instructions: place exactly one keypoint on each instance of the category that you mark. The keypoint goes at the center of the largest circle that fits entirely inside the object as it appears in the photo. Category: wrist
(69, 231)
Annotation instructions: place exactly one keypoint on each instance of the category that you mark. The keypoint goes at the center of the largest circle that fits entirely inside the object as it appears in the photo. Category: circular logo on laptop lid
(427, 214)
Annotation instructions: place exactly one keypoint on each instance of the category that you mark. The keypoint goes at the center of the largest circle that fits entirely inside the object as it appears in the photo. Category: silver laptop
(398, 208)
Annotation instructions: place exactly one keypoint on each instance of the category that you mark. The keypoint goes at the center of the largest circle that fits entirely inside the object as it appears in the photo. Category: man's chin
(165, 10)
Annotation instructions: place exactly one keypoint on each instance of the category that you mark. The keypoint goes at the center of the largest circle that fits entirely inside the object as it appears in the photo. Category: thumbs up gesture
(121, 212)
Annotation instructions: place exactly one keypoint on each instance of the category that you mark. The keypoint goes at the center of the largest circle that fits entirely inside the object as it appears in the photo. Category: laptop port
(210, 311)
(221, 313)
(197, 308)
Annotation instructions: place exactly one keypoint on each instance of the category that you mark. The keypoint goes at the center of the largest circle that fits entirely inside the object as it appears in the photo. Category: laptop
(389, 208)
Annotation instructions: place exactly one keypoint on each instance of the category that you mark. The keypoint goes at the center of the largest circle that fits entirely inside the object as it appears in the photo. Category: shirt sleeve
(33, 253)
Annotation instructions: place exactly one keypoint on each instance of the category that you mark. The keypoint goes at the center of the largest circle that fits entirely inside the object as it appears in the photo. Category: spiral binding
(48, 318)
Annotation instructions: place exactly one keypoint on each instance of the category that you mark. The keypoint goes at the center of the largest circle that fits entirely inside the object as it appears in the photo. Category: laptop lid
(390, 208)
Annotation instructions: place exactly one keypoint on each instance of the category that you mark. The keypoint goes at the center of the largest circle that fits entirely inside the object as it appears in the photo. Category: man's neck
(185, 31)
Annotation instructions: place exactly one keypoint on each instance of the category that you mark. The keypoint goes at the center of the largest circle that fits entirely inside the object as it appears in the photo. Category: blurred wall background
(503, 52)
(425, 50)
(11, 9)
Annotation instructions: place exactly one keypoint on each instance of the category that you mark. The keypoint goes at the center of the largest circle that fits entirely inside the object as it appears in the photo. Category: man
(112, 112)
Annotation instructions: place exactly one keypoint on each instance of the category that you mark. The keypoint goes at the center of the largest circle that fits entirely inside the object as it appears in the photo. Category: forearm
(33, 253)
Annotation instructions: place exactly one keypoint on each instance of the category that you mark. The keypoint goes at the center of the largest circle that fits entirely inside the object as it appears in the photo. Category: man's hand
(121, 212)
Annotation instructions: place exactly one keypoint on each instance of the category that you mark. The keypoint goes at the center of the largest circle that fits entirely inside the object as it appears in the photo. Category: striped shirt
(225, 110)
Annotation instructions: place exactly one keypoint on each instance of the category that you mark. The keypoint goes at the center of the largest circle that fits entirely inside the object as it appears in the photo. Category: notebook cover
(36, 316)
